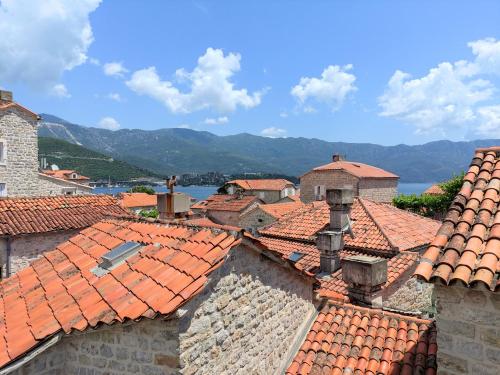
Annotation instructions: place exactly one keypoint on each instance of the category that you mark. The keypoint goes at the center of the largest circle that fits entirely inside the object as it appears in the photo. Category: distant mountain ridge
(175, 151)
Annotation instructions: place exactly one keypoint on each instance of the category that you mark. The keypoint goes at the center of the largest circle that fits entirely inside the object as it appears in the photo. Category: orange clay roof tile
(468, 238)
(134, 200)
(357, 169)
(225, 202)
(351, 339)
(46, 214)
(59, 292)
(262, 184)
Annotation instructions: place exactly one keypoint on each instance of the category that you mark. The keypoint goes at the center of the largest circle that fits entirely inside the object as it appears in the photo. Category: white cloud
(114, 69)
(41, 39)
(210, 85)
(332, 88)
(94, 61)
(273, 132)
(216, 121)
(489, 121)
(60, 91)
(283, 114)
(109, 123)
(114, 96)
(450, 95)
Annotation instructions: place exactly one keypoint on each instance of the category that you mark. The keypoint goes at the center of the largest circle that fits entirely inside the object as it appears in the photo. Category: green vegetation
(89, 163)
(431, 205)
(142, 189)
(152, 213)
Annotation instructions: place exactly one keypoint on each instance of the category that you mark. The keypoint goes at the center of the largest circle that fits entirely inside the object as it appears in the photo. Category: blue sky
(384, 72)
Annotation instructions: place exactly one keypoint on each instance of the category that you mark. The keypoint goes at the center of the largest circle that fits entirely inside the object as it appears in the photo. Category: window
(319, 192)
(3, 190)
(74, 176)
(3, 151)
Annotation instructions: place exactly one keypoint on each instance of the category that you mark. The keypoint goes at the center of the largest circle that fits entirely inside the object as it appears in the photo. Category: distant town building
(19, 172)
(434, 190)
(267, 190)
(68, 175)
(224, 208)
(463, 263)
(366, 181)
(137, 202)
(265, 214)
(31, 226)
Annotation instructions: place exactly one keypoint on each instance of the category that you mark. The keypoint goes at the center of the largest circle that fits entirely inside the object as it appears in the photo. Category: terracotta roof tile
(376, 226)
(60, 292)
(65, 174)
(357, 169)
(467, 247)
(262, 184)
(46, 214)
(434, 190)
(224, 202)
(278, 210)
(133, 200)
(347, 339)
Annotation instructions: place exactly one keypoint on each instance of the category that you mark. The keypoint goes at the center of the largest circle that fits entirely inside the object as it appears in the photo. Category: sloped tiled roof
(206, 222)
(8, 105)
(397, 266)
(434, 190)
(262, 184)
(347, 339)
(357, 169)
(376, 226)
(132, 200)
(60, 293)
(466, 249)
(224, 202)
(278, 210)
(64, 174)
(46, 214)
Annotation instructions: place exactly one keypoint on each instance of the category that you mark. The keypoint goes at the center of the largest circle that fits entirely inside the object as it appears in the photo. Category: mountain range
(176, 151)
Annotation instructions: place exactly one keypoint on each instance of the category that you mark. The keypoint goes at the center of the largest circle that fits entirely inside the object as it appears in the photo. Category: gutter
(32, 354)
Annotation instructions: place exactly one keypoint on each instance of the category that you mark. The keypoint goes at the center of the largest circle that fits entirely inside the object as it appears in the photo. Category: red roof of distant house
(357, 169)
(466, 249)
(47, 214)
(65, 174)
(434, 190)
(206, 222)
(347, 339)
(263, 184)
(134, 200)
(398, 266)
(378, 227)
(60, 292)
(278, 210)
(224, 202)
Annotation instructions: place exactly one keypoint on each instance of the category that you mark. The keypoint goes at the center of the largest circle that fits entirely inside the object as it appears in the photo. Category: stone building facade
(267, 190)
(468, 321)
(19, 172)
(19, 159)
(255, 218)
(245, 321)
(366, 181)
(26, 248)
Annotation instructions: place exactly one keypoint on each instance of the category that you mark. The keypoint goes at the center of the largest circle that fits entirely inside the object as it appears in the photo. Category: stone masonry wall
(267, 196)
(255, 218)
(330, 179)
(412, 296)
(20, 172)
(24, 249)
(148, 347)
(224, 217)
(468, 323)
(52, 186)
(378, 190)
(246, 319)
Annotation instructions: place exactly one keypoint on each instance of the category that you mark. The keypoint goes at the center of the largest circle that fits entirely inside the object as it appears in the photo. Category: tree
(142, 189)
(431, 205)
(152, 213)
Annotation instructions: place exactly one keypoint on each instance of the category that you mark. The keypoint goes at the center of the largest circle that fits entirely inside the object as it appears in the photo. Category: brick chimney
(337, 157)
(365, 276)
(331, 241)
(5, 96)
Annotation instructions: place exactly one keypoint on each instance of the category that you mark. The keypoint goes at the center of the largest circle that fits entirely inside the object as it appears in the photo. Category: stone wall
(468, 323)
(330, 179)
(378, 190)
(26, 248)
(246, 319)
(55, 186)
(267, 196)
(255, 218)
(411, 296)
(149, 347)
(20, 171)
(224, 217)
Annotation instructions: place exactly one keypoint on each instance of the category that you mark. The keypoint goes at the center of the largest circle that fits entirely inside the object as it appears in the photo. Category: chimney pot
(337, 197)
(329, 243)
(337, 157)
(365, 277)
(6, 96)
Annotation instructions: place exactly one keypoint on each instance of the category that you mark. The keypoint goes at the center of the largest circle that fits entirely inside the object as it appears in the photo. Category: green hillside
(89, 163)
